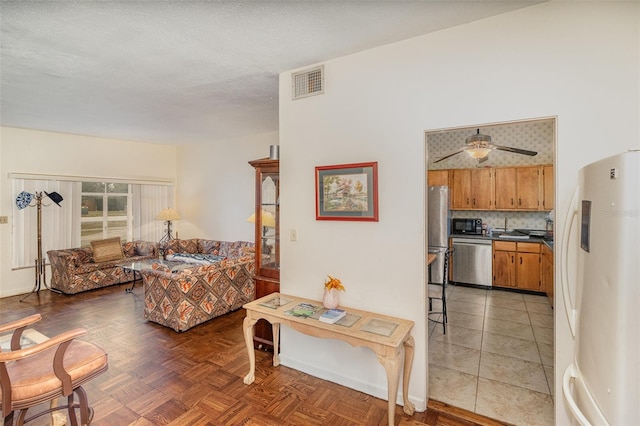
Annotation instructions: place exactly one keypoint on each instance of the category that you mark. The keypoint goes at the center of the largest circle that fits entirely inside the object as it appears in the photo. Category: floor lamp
(24, 200)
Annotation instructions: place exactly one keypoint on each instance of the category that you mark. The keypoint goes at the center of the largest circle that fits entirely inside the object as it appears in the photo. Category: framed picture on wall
(347, 192)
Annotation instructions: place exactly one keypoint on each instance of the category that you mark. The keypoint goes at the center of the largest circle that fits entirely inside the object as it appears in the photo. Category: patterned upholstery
(228, 249)
(74, 270)
(181, 246)
(209, 247)
(192, 296)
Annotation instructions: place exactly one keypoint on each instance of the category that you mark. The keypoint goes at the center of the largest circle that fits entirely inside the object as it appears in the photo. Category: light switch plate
(4, 219)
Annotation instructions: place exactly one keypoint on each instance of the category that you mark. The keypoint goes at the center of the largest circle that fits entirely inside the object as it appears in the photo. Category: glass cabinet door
(269, 245)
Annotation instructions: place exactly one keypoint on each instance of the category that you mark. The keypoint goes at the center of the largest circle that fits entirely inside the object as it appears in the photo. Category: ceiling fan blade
(450, 155)
(515, 150)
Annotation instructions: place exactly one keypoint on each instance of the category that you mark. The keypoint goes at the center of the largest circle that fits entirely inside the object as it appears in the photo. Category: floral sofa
(74, 270)
(188, 297)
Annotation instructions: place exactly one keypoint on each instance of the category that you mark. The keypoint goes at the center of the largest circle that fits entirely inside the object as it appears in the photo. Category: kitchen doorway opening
(485, 323)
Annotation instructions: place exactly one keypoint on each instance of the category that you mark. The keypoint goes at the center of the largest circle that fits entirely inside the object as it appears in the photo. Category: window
(105, 211)
(90, 210)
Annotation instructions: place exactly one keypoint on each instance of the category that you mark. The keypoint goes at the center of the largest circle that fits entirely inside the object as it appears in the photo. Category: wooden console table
(387, 348)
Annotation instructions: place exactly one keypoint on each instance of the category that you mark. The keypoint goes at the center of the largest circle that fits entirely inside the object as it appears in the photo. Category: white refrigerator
(602, 385)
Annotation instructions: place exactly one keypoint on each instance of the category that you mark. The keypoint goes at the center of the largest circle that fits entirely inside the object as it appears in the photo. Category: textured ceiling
(185, 71)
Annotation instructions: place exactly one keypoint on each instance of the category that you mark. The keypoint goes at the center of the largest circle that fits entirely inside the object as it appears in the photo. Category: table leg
(133, 283)
(392, 367)
(247, 325)
(275, 331)
(409, 344)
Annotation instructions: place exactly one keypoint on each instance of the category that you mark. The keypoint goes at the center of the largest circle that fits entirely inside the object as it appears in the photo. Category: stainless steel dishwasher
(472, 261)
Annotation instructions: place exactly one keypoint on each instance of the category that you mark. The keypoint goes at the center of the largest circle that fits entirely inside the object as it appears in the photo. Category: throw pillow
(107, 249)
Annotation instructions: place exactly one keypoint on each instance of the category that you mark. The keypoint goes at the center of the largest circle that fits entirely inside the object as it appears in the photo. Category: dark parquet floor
(159, 377)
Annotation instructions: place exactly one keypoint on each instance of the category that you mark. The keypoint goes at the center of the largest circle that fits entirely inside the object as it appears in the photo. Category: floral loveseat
(75, 270)
(188, 297)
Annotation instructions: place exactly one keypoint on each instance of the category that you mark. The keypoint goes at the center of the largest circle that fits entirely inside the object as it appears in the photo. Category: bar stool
(438, 291)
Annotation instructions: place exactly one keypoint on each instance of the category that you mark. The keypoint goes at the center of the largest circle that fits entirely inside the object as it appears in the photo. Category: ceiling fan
(479, 146)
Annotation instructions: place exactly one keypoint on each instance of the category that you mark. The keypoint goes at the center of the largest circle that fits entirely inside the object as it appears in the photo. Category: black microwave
(466, 226)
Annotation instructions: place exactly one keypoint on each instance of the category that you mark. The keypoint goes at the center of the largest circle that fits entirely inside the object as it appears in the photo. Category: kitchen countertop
(495, 236)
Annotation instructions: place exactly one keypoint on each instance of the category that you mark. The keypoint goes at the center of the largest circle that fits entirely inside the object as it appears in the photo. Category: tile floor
(496, 358)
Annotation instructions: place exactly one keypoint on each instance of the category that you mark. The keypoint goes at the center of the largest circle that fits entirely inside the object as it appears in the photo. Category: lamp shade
(478, 152)
(168, 214)
(267, 219)
(55, 197)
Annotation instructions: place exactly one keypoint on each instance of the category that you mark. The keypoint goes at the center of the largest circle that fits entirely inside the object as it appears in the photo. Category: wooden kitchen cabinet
(471, 189)
(504, 264)
(548, 186)
(267, 240)
(505, 188)
(546, 272)
(516, 265)
(528, 183)
(438, 177)
(528, 266)
(523, 188)
(517, 188)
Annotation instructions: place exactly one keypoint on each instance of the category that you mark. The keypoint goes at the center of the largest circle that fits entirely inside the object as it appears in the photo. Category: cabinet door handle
(474, 201)
(521, 260)
(519, 201)
(511, 259)
(512, 201)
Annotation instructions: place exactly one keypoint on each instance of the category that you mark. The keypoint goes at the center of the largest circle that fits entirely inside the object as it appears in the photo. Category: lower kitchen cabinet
(516, 265)
(528, 271)
(546, 272)
(504, 264)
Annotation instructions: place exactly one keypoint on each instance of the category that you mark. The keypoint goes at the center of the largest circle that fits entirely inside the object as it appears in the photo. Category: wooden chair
(46, 371)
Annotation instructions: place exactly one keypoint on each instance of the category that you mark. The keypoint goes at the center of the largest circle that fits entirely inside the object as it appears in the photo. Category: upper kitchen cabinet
(438, 177)
(525, 188)
(471, 189)
(521, 188)
(548, 186)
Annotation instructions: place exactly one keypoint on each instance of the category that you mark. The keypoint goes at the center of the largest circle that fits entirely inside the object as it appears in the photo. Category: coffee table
(136, 267)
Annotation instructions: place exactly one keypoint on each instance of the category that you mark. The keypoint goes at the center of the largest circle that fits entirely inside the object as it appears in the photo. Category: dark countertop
(495, 236)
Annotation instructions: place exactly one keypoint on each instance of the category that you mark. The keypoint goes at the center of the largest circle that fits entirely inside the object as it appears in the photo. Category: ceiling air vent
(308, 82)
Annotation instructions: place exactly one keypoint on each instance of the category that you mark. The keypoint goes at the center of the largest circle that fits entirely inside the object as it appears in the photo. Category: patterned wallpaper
(531, 135)
(515, 220)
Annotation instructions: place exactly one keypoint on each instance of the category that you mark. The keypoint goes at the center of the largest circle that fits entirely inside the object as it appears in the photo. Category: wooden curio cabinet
(267, 240)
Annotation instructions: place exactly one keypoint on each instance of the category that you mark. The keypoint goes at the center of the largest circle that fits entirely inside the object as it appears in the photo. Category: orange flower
(333, 284)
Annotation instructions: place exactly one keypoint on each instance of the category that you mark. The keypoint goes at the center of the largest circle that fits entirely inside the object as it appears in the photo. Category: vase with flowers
(332, 286)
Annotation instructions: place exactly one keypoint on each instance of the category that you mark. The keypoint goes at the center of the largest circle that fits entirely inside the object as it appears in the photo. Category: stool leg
(86, 412)
(21, 415)
(71, 410)
(445, 281)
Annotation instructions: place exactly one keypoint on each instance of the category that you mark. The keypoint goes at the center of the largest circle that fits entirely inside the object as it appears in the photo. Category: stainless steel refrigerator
(439, 220)
(602, 385)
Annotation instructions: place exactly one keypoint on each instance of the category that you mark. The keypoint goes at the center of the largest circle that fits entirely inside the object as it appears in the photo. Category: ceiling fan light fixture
(478, 152)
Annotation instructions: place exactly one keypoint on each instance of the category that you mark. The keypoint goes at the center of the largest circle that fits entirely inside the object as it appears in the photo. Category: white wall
(31, 151)
(216, 188)
(577, 61)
